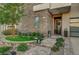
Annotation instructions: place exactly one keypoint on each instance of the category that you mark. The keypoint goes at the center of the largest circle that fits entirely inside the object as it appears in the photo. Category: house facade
(52, 17)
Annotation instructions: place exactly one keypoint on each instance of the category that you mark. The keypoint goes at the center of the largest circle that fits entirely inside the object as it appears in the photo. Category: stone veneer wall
(26, 24)
(44, 21)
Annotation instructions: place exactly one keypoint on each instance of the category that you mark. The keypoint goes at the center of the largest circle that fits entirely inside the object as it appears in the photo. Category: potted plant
(65, 33)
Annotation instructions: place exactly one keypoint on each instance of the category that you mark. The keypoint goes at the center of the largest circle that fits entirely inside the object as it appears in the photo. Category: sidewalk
(75, 45)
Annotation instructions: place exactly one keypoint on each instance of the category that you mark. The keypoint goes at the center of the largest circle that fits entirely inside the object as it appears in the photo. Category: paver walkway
(43, 49)
(48, 42)
(75, 45)
(68, 46)
(38, 51)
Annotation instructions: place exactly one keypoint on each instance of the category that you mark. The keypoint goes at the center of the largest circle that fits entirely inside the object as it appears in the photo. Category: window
(74, 27)
(37, 22)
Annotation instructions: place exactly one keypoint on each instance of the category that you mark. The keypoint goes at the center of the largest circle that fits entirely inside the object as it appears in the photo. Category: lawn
(20, 38)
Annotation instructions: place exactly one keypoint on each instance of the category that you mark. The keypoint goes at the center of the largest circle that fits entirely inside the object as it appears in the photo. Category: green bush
(59, 43)
(20, 38)
(22, 47)
(60, 39)
(55, 48)
(8, 32)
(24, 34)
(4, 49)
(38, 35)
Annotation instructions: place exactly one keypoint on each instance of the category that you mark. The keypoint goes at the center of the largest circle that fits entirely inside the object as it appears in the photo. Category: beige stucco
(66, 22)
(59, 5)
(44, 6)
(74, 10)
(41, 7)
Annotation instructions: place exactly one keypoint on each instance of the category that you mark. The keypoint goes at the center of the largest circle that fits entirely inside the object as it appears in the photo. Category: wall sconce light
(44, 17)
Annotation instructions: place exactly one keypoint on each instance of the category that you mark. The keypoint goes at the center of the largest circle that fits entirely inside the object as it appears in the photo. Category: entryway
(57, 25)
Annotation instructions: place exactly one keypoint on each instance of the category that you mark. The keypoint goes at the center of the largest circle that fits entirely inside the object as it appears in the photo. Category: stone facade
(26, 24)
(44, 21)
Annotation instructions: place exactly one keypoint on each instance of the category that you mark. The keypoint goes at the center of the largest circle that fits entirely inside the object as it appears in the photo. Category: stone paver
(48, 42)
(68, 47)
(75, 45)
(39, 51)
(43, 49)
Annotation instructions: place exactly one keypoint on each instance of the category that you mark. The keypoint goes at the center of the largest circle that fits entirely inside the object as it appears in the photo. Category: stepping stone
(38, 51)
(48, 42)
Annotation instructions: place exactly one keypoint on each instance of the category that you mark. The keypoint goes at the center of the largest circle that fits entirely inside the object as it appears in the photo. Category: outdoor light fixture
(44, 17)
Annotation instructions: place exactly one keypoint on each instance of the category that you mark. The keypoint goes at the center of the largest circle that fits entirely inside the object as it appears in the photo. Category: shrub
(59, 43)
(21, 34)
(8, 32)
(60, 39)
(38, 35)
(55, 48)
(4, 49)
(22, 47)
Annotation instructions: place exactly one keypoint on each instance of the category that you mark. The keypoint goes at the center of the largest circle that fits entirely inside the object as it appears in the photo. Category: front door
(57, 25)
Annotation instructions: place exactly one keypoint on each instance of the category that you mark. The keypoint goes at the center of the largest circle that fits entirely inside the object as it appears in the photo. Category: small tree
(11, 14)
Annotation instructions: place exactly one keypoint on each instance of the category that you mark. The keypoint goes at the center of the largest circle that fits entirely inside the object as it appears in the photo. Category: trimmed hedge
(22, 47)
(20, 38)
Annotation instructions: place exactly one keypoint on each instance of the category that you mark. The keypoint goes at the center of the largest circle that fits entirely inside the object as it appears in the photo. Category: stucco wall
(41, 6)
(58, 5)
(74, 10)
(66, 23)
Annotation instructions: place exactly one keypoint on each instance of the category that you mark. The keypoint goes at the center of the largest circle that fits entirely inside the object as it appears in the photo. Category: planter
(65, 33)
